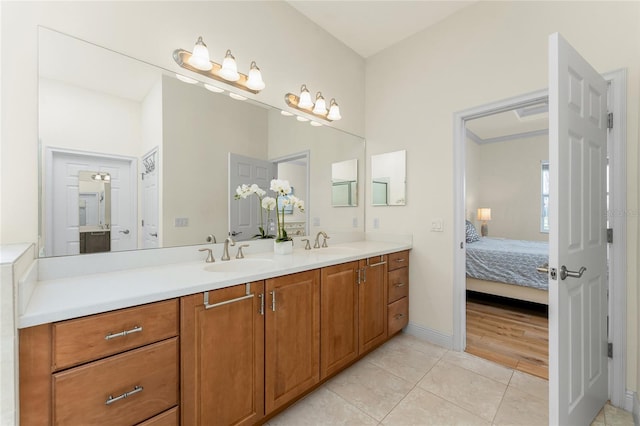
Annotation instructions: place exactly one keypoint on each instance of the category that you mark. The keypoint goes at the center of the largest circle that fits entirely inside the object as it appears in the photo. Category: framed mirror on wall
(388, 179)
(173, 138)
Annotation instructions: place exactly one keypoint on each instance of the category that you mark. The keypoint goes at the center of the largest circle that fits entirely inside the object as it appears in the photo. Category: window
(544, 198)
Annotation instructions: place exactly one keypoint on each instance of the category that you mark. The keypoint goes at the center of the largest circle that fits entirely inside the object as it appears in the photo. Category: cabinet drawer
(398, 284)
(86, 339)
(398, 315)
(398, 260)
(142, 383)
(168, 418)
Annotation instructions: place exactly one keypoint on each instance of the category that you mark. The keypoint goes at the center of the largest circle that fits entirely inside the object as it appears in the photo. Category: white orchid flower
(268, 203)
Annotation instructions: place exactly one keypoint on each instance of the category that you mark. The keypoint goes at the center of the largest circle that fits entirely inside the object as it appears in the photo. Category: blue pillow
(471, 233)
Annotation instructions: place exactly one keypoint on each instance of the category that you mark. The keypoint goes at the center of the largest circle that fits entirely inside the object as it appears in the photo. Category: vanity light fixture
(104, 177)
(186, 79)
(237, 97)
(199, 62)
(213, 89)
(286, 113)
(303, 103)
(315, 123)
(301, 118)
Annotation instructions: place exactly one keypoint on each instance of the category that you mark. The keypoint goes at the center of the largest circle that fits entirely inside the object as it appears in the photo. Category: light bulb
(229, 70)
(321, 107)
(254, 81)
(186, 79)
(200, 57)
(213, 89)
(305, 98)
(334, 111)
(107, 178)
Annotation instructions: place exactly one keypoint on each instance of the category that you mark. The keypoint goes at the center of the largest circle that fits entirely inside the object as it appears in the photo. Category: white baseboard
(628, 402)
(432, 336)
(635, 403)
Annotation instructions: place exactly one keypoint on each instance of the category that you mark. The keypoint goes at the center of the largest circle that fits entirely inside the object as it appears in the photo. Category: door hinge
(610, 120)
(142, 222)
(610, 350)
(610, 235)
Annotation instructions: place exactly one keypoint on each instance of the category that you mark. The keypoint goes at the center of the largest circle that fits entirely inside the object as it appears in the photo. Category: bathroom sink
(240, 265)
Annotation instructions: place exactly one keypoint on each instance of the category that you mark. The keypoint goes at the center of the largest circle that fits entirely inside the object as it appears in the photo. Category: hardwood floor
(509, 332)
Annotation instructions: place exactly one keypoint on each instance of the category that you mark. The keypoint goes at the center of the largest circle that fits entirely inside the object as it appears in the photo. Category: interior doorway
(616, 222)
(506, 200)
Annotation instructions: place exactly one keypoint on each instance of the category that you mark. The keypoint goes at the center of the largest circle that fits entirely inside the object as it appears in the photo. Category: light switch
(181, 222)
(376, 223)
(355, 222)
(316, 221)
(437, 225)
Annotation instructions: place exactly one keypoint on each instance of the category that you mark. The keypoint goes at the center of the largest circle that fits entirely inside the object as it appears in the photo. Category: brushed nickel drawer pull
(398, 316)
(135, 329)
(135, 390)
(399, 284)
(377, 264)
(401, 259)
(261, 296)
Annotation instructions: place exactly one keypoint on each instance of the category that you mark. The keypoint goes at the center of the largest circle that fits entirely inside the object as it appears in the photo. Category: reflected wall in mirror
(388, 179)
(174, 139)
(344, 183)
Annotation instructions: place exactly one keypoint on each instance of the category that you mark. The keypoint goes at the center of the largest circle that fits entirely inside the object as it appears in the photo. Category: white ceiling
(368, 27)
(509, 125)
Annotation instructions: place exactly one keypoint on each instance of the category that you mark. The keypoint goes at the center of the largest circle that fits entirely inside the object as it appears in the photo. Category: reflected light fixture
(484, 214)
(303, 103)
(315, 123)
(199, 62)
(286, 113)
(237, 97)
(186, 79)
(301, 118)
(213, 89)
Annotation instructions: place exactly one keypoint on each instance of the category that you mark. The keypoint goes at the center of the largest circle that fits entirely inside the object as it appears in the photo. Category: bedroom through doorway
(506, 200)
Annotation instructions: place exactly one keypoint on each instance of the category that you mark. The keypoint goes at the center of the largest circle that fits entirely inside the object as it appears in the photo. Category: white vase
(283, 247)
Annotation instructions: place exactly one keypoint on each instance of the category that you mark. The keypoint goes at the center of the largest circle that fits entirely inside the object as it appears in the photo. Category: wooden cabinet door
(372, 306)
(338, 316)
(222, 352)
(292, 340)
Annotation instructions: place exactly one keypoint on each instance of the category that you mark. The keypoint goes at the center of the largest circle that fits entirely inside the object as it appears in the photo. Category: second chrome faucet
(225, 252)
(316, 244)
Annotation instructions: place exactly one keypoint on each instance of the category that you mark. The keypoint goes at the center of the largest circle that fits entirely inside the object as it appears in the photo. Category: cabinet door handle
(261, 296)
(377, 264)
(364, 275)
(400, 260)
(123, 333)
(110, 400)
(273, 300)
(399, 284)
(248, 295)
(398, 316)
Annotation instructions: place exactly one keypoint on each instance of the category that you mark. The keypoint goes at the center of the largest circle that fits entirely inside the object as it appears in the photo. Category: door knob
(234, 233)
(153, 234)
(125, 232)
(564, 272)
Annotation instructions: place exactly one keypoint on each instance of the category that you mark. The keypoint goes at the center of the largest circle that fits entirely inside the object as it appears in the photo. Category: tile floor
(409, 381)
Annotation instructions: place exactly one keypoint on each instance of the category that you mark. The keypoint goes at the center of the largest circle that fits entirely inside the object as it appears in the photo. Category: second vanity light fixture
(318, 108)
(199, 62)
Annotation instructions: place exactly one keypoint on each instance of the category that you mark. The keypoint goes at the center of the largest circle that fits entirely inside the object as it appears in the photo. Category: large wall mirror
(165, 146)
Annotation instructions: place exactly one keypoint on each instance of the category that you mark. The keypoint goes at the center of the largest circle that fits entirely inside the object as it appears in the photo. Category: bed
(507, 268)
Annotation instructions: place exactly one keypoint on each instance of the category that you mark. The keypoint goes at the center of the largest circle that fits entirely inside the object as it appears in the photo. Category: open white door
(577, 239)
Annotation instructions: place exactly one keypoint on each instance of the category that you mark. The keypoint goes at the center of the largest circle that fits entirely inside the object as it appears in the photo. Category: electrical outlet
(181, 222)
(355, 222)
(437, 225)
(376, 223)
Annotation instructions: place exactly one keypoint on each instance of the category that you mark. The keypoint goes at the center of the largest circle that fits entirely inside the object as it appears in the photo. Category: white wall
(296, 173)
(509, 184)
(484, 53)
(289, 49)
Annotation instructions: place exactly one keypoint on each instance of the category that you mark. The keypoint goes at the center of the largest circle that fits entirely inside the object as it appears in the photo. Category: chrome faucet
(240, 254)
(225, 253)
(307, 246)
(316, 244)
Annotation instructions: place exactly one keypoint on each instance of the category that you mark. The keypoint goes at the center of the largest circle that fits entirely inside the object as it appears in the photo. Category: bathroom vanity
(232, 344)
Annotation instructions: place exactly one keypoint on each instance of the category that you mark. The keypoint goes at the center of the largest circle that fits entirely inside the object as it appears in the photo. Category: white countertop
(70, 297)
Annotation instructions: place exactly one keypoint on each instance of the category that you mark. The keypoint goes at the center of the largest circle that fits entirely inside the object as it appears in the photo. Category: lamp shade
(334, 111)
(321, 105)
(254, 81)
(229, 70)
(200, 57)
(484, 213)
(305, 98)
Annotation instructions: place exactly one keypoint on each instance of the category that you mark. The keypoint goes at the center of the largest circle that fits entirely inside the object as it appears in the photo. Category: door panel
(244, 214)
(577, 305)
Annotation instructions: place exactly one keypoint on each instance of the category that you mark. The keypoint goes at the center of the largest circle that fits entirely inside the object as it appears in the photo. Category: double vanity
(195, 343)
